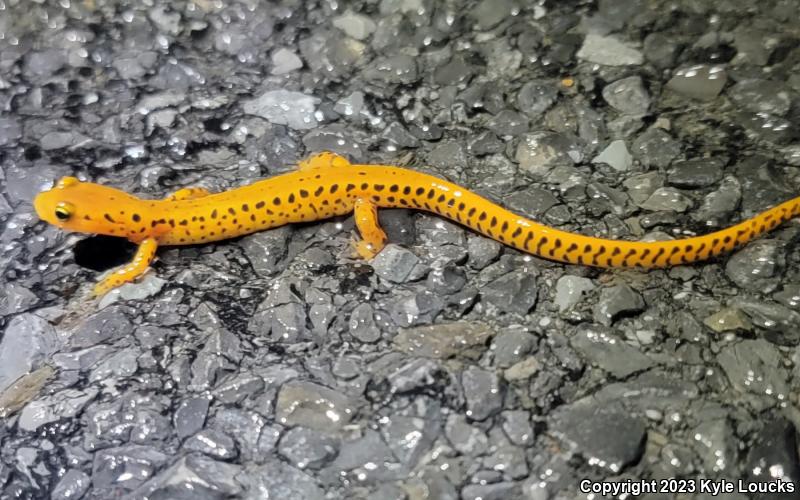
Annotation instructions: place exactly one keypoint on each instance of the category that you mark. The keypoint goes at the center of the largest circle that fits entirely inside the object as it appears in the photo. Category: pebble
(483, 391)
(728, 320)
(312, 405)
(285, 107)
(515, 292)
(655, 148)
(667, 199)
(702, 82)
(65, 404)
(394, 263)
(762, 96)
(608, 51)
(399, 69)
(444, 340)
(536, 97)
(696, 173)
(758, 266)
(71, 486)
(285, 61)
(603, 348)
(616, 156)
(355, 25)
(28, 340)
(755, 366)
(617, 301)
(539, 152)
(512, 346)
(307, 448)
(362, 324)
(213, 443)
(466, 438)
(518, 427)
(570, 290)
(628, 96)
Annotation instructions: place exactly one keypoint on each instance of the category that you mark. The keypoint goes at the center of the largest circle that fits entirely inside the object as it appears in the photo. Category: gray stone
(603, 348)
(418, 373)
(696, 173)
(71, 486)
(616, 156)
(354, 25)
(655, 148)
(538, 152)
(212, 443)
(667, 199)
(456, 71)
(781, 324)
(464, 437)
(394, 263)
(661, 50)
(719, 205)
(27, 341)
(518, 427)
(110, 323)
(10, 131)
(617, 301)
(701, 82)
(482, 251)
(491, 491)
(628, 96)
(715, 443)
(489, 13)
(772, 456)
(512, 346)
(641, 187)
(444, 340)
(532, 202)
(190, 416)
(275, 479)
(759, 266)
(65, 404)
(483, 391)
(417, 309)
(410, 437)
(755, 366)
(284, 107)
(608, 51)
(447, 280)
(509, 459)
(789, 296)
(201, 475)
(312, 405)
(266, 250)
(570, 290)
(44, 63)
(508, 123)
(762, 96)
(362, 324)
(727, 320)
(399, 69)
(285, 61)
(125, 466)
(602, 431)
(535, 97)
(515, 292)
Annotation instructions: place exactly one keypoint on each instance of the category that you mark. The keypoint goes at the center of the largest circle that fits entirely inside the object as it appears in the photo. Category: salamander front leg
(325, 159)
(373, 239)
(127, 274)
(188, 194)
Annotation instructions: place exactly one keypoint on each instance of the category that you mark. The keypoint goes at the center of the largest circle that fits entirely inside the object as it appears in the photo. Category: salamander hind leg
(127, 274)
(188, 194)
(373, 239)
(323, 160)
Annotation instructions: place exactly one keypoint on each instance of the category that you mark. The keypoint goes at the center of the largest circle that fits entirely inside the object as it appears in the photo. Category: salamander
(327, 185)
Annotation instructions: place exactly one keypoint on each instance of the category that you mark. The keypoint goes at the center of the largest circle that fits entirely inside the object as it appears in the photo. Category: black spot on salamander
(407, 190)
(504, 227)
(260, 204)
(350, 187)
(214, 214)
(153, 223)
(451, 203)
(658, 254)
(714, 243)
(572, 247)
(245, 207)
(541, 243)
(482, 216)
(645, 253)
(376, 198)
(516, 232)
(471, 212)
(390, 199)
(419, 191)
(334, 188)
(231, 211)
(727, 239)
(493, 222)
(364, 186)
(431, 194)
(291, 198)
(194, 218)
(172, 222)
(136, 217)
(394, 188)
(270, 212)
(319, 191)
(276, 201)
(462, 206)
(688, 248)
(253, 217)
(86, 217)
(528, 238)
(378, 187)
(440, 198)
(403, 202)
(616, 251)
(303, 193)
(587, 248)
(183, 222)
(108, 218)
(235, 221)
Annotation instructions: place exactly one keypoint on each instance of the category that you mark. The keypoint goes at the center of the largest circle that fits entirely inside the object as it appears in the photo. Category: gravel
(450, 366)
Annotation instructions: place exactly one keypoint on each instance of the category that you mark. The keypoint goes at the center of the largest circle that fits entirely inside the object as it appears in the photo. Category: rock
(696, 173)
(608, 51)
(483, 391)
(603, 348)
(492, 491)
(312, 405)
(518, 427)
(512, 346)
(702, 82)
(444, 340)
(628, 96)
(203, 476)
(72, 485)
(213, 443)
(354, 25)
(394, 263)
(719, 205)
(27, 341)
(307, 448)
(266, 250)
(482, 251)
(667, 199)
(535, 97)
(758, 266)
(362, 324)
(641, 187)
(23, 390)
(65, 404)
(523, 370)
(755, 366)
(489, 13)
(538, 152)
(508, 123)
(616, 156)
(515, 292)
(190, 416)
(283, 107)
(10, 131)
(781, 324)
(570, 290)
(125, 467)
(275, 479)
(617, 301)
(285, 61)
(655, 148)
(110, 323)
(464, 437)
(727, 320)
(762, 96)
(772, 456)
(532, 202)
(602, 431)
(399, 69)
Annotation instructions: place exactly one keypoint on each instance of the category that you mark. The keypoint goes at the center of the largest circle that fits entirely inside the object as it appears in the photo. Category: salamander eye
(64, 211)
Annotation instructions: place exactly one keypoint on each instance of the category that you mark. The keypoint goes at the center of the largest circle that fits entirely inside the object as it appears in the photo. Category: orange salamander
(327, 185)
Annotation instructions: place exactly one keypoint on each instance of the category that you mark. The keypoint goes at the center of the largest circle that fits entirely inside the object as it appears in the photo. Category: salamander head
(86, 207)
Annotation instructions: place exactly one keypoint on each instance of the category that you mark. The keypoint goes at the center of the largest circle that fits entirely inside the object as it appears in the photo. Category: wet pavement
(449, 367)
